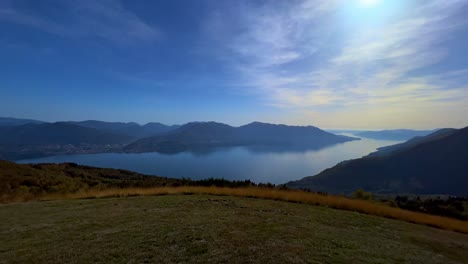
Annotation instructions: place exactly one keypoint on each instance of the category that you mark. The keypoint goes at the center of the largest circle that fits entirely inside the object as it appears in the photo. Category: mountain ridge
(36, 140)
(11, 121)
(434, 166)
(213, 134)
(130, 129)
(394, 134)
(93, 136)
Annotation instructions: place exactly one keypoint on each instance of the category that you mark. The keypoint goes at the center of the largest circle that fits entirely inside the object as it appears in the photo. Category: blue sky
(358, 64)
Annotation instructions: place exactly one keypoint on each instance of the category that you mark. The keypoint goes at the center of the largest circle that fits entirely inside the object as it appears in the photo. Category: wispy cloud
(270, 35)
(106, 19)
(287, 55)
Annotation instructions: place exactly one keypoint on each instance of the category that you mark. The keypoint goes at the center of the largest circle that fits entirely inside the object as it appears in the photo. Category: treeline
(221, 182)
(451, 206)
(455, 207)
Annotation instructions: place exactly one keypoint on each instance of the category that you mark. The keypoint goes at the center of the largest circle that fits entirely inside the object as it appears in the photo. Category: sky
(349, 64)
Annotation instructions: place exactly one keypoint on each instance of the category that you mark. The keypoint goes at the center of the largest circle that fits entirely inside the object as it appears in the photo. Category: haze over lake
(259, 164)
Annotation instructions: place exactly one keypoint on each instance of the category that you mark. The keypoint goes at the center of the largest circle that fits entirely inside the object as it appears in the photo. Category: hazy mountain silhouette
(130, 129)
(436, 164)
(395, 134)
(92, 136)
(189, 136)
(57, 133)
(35, 140)
(211, 134)
(384, 151)
(10, 121)
(265, 133)
(102, 125)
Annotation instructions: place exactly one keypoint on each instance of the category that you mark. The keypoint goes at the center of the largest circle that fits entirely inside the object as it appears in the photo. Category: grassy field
(33, 182)
(216, 229)
(337, 202)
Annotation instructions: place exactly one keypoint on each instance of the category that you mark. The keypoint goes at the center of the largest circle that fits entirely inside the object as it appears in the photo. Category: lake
(259, 164)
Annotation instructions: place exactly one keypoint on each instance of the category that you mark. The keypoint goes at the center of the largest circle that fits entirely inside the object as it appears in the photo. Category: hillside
(105, 126)
(147, 130)
(211, 134)
(56, 133)
(388, 150)
(10, 121)
(85, 137)
(35, 140)
(131, 129)
(435, 165)
(189, 136)
(265, 133)
(25, 180)
(393, 134)
(213, 229)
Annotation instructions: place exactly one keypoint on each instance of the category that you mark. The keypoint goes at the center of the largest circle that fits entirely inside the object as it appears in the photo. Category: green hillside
(26, 181)
(213, 229)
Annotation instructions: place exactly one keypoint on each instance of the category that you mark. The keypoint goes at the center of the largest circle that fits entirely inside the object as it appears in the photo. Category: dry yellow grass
(337, 202)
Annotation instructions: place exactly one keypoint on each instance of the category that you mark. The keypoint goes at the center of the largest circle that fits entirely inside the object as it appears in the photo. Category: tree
(361, 194)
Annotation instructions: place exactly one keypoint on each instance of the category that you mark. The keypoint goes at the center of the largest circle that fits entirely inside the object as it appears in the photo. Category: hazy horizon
(233, 125)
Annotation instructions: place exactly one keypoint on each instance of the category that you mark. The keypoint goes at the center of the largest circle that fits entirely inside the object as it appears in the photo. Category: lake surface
(259, 164)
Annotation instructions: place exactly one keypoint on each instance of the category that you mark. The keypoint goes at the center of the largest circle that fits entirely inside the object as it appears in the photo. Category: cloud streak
(107, 20)
(290, 56)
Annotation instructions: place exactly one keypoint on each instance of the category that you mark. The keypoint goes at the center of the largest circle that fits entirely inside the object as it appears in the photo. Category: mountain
(396, 134)
(32, 140)
(193, 135)
(436, 165)
(130, 129)
(211, 134)
(10, 121)
(102, 125)
(148, 130)
(384, 151)
(92, 136)
(56, 133)
(264, 133)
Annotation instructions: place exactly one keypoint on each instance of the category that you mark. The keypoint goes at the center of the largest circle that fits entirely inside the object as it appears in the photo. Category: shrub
(363, 195)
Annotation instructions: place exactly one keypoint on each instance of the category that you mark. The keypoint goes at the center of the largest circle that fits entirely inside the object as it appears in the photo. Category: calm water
(275, 165)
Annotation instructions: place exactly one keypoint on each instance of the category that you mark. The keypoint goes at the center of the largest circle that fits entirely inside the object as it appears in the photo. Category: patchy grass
(29, 182)
(337, 202)
(213, 229)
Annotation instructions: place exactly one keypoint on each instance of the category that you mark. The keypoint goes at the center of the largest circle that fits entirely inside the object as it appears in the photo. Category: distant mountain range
(57, 133)
(130, 129)
(198, 135)
(397, 134)
(35, 139)
(10, 121)
(388, 150)
(393, 134)
(431, 164)
(434, 164)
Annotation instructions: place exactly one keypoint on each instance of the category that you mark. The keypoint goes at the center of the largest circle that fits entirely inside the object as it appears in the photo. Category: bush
(363, 195)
